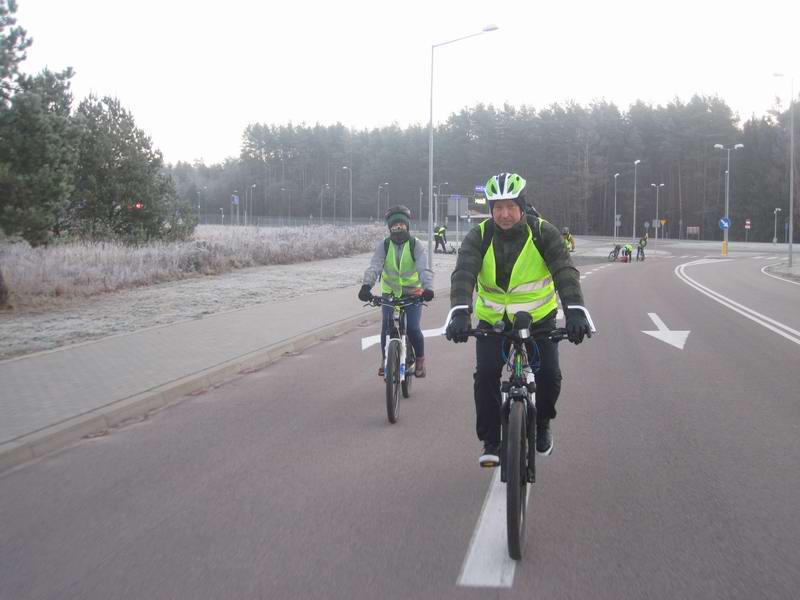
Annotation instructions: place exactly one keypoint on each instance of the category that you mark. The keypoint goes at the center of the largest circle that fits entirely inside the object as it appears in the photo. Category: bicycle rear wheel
(517, 479)
(405, 385)
(392, 377)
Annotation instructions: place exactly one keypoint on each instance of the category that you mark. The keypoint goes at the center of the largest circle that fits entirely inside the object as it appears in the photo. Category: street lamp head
(489, 28)
(777, 210)
(345, 168)
(616, 175)
(636, 162)
(737, 146)
(254, 185)
(719, 146)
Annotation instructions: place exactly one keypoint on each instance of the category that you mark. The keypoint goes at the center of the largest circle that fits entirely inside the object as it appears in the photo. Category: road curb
(121, 412)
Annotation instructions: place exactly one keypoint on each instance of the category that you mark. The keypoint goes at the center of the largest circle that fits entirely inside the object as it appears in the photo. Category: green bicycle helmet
(505, 186)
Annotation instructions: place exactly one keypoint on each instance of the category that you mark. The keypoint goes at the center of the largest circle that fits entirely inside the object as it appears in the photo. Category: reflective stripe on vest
(530, 288)
(402, 279)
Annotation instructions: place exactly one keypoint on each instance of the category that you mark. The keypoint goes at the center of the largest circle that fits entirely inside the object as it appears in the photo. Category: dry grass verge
(42, 276)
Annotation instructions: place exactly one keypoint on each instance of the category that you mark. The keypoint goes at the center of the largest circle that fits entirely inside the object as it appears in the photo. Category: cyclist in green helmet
(518, 262)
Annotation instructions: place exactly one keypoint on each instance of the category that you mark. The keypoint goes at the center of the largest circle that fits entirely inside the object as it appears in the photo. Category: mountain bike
(614, 254)
(518, 418)
(399, 362)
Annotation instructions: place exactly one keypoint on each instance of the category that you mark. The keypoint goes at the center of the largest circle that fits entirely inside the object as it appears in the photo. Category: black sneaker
(544, 437)
(491, 455)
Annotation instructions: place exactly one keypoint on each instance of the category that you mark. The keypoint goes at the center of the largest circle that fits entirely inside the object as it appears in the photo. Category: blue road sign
(235, 200)
(480, 189)
(724, 223)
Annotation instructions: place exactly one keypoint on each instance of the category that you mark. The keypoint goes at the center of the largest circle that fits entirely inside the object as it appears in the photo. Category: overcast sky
(194, 73)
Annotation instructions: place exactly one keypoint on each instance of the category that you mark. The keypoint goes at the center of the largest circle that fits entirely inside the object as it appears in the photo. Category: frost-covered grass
(36, 276)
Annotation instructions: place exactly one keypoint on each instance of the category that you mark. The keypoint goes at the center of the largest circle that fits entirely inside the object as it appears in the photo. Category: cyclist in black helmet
(401, 261)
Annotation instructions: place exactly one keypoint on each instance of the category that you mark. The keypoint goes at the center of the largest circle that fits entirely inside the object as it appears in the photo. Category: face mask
(399, 237)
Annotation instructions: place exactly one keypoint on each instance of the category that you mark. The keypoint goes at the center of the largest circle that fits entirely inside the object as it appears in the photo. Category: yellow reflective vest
(530, 288)
(399, 279)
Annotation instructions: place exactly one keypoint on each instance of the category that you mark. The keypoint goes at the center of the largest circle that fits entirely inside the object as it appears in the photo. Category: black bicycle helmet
(398, 213)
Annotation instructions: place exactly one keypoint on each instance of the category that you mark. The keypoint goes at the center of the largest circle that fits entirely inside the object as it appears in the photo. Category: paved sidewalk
(54, 398)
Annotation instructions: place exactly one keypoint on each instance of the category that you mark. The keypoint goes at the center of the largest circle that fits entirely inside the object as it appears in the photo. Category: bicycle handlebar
(402, 302)
(559, 333)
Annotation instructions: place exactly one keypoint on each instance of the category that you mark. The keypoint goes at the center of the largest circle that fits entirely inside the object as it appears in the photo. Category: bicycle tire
(517, 475)
(611, 256)
(393, 380)
(405, 385)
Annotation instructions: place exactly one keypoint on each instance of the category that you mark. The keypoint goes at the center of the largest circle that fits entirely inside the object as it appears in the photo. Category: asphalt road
(674, 473)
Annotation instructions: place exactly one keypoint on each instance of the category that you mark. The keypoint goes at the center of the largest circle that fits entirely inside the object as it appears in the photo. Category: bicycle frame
(398, 328)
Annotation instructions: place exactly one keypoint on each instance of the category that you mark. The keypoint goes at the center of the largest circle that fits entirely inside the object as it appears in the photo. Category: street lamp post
(350, 172)
(635, 166)
(236, 193)
(727, 192)
(437, 198)
(430, 139)
(791, 167)
(657, 222)
(615, 207)
(378, 211)
(775, 234)
(252, 203)
(386, 187)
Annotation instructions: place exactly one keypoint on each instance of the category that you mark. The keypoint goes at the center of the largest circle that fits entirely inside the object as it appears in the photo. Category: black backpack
(413, 241)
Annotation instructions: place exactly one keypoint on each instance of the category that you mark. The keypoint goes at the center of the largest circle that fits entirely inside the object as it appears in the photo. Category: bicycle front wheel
(392, 377)
(517, 479)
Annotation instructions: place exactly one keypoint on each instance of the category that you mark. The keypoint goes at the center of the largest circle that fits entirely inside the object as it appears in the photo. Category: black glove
(577, 326)
(427, 295)
(364, 294)
(458, 327)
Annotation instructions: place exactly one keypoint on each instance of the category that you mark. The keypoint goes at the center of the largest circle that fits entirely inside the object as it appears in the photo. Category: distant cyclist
(641, 246)
(401, 263)
(627, 252)
(569, 241)
(518, 262)
(440, 237)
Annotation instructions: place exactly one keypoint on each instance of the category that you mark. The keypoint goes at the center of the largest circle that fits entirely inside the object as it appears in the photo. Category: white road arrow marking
(367, 342)
(673, 338)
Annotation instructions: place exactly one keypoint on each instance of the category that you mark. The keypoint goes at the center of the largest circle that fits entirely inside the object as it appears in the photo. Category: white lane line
(776, 326)
(756, 257)
(487, 563)
(763, 270)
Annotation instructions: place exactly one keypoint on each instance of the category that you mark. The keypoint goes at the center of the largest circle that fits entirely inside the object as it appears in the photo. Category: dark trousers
(439, 240)
(488, 371)
(413, 329)
(639, 252)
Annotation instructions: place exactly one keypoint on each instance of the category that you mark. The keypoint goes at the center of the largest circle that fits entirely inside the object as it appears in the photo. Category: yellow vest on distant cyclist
(530, 288)
(402, 279)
